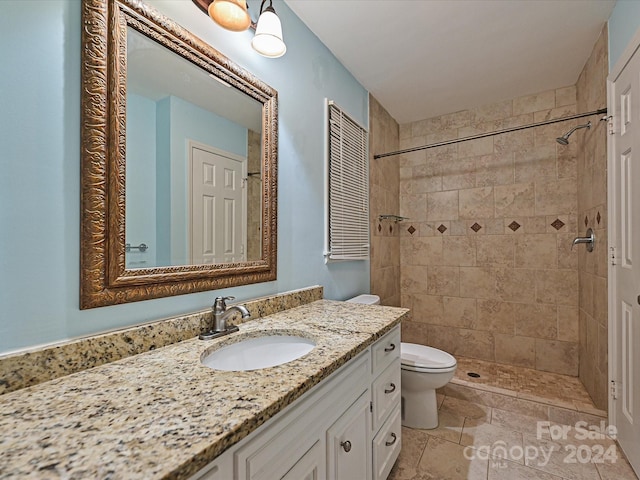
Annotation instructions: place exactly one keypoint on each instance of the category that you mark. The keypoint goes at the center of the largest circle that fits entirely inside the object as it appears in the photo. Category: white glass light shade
(230, 14)
(268, 38)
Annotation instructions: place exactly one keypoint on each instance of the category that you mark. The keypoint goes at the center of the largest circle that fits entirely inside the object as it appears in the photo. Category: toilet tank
(366, 299)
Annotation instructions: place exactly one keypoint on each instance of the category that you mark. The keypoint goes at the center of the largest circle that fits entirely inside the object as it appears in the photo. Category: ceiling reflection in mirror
(193, 163)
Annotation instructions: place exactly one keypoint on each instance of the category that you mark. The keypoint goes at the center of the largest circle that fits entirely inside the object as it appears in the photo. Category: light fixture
(234, 15)
(230, 14)
(268, 40)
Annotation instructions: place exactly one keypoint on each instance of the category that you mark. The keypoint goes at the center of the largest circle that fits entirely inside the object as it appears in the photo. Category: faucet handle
(220, 303)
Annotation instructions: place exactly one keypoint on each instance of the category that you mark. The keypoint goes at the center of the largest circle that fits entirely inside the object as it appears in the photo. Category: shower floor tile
(525, 383)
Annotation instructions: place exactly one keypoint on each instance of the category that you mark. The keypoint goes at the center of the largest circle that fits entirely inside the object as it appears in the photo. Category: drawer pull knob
(346, 446)
(390, 348)
(390, 390)
(393, 440)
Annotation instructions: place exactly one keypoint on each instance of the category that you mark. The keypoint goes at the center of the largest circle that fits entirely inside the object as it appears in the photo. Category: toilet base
(420, 410)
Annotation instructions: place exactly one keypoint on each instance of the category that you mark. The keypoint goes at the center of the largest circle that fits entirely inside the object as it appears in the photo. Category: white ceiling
(423, 58)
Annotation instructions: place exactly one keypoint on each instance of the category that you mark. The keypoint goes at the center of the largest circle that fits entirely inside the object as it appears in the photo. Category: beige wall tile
(414, 332)
(475, 344)
(514, 200)
(557, 357)
(414, 279)
(515, 285)
(557, 286)
(492, 111)
(457, 174)
(536, 251)
(476, 203)
(518, 141)
(420, 250)
(539, 163)
(443, 280)
(566, 96)
(538, 321)
(477, 282)
(459, 250)
(515, 350)
(567, 258)
(533, 103)
(554, 113)
(455, 120)
(414, 207)
(427, 308)
(495, 316)
(442, 205)
(568, 324)
(459, 312)
(495, 250)
(558, 197)
(425, 178)
(494, 169)
(473, 148)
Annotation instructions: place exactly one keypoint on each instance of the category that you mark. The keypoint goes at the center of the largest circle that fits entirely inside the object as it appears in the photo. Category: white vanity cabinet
(385, 403)
(344, 429)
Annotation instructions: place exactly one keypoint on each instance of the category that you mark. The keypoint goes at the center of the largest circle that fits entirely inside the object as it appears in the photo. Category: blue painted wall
(623, 23)
(141, 177)
(40, 169)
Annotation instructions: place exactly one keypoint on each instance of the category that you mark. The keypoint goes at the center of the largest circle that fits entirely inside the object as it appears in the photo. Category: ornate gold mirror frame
(104, 279)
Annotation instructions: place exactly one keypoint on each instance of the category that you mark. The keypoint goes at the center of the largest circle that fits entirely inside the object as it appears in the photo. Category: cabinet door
(386, 393)
(386, 446)
(309, 465)
(348, 447)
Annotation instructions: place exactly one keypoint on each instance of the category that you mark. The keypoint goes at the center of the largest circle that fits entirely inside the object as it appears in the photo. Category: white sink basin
(259, 352)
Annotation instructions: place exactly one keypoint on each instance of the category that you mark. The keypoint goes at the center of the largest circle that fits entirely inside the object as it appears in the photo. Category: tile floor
(508, 425)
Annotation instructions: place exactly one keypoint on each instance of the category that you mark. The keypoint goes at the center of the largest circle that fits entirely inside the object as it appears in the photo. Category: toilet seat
(420, 358)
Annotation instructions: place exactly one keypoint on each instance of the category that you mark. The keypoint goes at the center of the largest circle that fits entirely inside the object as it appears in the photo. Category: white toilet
(423, 370)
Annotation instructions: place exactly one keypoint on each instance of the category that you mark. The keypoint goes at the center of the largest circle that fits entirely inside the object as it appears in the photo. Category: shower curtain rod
(490, 134)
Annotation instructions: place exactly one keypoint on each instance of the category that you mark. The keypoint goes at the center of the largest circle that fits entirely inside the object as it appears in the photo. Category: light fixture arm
(269, 9)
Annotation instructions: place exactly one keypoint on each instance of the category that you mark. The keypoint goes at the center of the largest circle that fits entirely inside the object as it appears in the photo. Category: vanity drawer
(385, 351)
(385, 393)
(386, 446)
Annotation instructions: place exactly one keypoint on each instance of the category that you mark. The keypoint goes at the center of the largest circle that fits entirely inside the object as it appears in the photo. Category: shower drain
(473, 374)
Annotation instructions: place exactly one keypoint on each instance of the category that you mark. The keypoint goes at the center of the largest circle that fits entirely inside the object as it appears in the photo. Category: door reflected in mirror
(193, 163)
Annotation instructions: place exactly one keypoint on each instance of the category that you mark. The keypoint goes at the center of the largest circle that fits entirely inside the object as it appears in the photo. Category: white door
(624, 269)
(218, 206)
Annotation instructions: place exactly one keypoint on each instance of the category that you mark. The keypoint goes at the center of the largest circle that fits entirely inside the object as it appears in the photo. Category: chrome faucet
(589, 240)
(220, 315)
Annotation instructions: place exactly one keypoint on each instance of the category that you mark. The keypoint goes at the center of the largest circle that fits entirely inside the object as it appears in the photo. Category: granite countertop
(162, 414)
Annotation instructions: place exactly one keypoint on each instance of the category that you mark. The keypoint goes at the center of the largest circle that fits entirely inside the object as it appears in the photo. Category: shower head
(564, 140)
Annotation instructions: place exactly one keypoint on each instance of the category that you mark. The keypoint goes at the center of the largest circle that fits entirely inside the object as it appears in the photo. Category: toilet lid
(415, 355)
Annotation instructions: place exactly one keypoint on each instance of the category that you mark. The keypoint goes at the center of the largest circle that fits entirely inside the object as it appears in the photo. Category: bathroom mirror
(179, 161)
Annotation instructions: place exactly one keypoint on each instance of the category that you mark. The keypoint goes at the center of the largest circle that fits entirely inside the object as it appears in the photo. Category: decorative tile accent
(411, 230)
(390, 229)
(557, 224)
(475, 227)
(598, 218)
(379, 227)
(586, 221)
(442, 228)
(514, 225)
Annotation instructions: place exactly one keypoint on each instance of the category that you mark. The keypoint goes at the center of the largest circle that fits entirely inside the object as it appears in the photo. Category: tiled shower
(485, 260)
